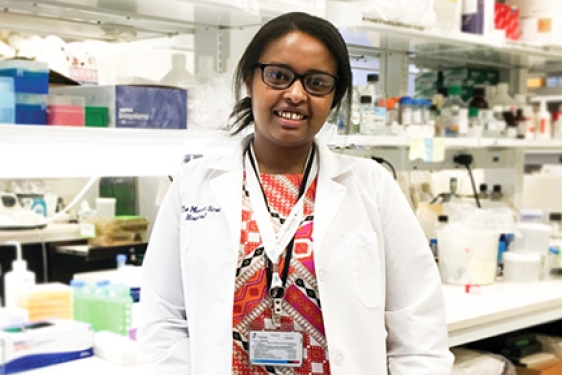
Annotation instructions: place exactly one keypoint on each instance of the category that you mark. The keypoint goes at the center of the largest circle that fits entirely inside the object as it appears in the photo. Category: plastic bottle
(18, 278)
(503, 99)
(544, 122)
(379, 102)
(451, 112)
(475, 126)
(417, 108)
(406, 109)
(530, 129)
(367, 125)
(557, 124)
(501, 125)
(478, 99)
(490, 126)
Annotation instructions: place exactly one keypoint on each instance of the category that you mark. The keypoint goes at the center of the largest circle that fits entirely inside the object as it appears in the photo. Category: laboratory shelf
(500, 308)
(364, 141)
(431, 44)
(51, 233)
(59, 152)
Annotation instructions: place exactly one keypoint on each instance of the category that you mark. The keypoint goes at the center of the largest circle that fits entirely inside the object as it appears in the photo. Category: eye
(277, 75)
(320, 82)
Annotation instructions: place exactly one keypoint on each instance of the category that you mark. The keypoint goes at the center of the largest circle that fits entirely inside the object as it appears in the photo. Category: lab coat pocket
(365, 265)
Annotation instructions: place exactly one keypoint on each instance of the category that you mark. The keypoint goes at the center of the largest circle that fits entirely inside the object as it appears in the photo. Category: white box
(534, 8)
(39, 344)
(545, 29)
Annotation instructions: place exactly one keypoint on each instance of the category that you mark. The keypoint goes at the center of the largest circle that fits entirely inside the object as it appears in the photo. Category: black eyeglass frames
(281, 77)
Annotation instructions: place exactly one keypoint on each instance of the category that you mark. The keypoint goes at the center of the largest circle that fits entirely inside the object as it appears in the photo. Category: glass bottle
(521, 123)
(379, 103)
(483, 194)
(451, 112)
(555, 220)
(367, 125)
(503, 99)
(496, 194)
(478, 99)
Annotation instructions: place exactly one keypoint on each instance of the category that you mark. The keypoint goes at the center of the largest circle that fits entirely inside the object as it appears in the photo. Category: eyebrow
(282, 65)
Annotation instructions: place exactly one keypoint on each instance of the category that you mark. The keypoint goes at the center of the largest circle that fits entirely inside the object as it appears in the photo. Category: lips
(291, 118)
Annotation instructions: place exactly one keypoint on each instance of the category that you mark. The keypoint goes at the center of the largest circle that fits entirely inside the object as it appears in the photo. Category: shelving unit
(59, 152)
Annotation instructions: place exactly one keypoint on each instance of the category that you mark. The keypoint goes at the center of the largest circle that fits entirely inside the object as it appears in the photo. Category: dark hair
(278, 28)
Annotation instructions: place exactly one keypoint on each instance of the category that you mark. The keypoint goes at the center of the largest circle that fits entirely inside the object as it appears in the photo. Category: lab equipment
(521, 267)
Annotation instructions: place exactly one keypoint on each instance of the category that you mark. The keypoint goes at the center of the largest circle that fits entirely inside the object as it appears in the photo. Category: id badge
(276, 348)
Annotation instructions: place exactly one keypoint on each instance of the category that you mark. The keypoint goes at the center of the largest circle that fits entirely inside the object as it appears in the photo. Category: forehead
(301, 51)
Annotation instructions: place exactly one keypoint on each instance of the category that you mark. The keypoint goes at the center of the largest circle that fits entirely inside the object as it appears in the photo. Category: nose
(295, 93)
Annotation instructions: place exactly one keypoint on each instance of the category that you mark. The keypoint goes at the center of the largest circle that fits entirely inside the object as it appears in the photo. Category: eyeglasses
(281, 77)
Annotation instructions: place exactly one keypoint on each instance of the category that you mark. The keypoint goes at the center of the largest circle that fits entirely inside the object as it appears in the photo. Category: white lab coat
(381, 296)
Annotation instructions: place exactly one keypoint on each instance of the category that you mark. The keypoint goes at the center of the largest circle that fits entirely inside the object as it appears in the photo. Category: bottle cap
(497, 188)
(372, 77)
(405, 100)
(454, 90)
(483, 188)
(121, 258)
(77, 283)
(473, 112)
(555, 216)
(443, 218)
(366, 99)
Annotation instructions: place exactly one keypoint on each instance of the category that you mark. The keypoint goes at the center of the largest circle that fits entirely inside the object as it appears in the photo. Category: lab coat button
(321, 274)
(339, 359)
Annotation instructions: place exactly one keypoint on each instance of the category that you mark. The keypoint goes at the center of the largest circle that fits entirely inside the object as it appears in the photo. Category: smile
(291, 115)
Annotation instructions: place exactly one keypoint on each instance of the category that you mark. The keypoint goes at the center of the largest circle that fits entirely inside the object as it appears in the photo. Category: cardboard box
(136, 106)
(533, 8)
(553, 368)
(507, 18)
(545, 29)
(40, 344)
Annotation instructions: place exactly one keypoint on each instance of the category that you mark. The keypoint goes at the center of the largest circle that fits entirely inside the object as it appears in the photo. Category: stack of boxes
(7, 101)
(31, 86)
(46, 301)
(541, 21)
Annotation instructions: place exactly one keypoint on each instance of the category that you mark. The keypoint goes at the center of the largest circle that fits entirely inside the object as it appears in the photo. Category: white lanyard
(275, 245)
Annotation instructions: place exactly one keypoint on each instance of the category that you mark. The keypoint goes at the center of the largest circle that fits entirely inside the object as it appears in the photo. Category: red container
(513, 31)
(68, 115)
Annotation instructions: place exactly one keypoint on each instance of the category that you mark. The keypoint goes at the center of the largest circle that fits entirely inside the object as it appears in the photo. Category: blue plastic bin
(31, 109)
(30, 77)
(7, 101)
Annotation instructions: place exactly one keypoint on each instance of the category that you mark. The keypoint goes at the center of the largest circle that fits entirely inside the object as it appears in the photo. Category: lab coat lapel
(226, 183)
(329, 195)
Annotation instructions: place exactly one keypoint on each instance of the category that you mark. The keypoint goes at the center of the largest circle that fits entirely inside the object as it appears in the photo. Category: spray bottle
(18, 278)
(544, 122)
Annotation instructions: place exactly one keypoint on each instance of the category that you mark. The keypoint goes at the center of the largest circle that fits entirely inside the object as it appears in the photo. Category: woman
(284, 258)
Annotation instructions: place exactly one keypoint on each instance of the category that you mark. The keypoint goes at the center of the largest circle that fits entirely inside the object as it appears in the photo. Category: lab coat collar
(331, 166)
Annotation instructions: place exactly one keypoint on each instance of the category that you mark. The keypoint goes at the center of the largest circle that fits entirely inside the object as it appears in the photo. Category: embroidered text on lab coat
(195, 213)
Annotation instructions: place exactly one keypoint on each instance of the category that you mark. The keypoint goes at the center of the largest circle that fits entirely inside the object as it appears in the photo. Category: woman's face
(291, 117)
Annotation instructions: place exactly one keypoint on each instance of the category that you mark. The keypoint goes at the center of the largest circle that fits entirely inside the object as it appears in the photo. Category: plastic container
(65, 110)
(406, 111)
(521, 267)
(31, 109)
(46, 301)
(467, 257)
(379, 103)
(535, 238)
(19, 277)
(7, 101)
(106, 207)
(96, 117)
(30, 77)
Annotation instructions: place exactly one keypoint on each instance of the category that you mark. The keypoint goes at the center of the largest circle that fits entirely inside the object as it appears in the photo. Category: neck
(281, 160)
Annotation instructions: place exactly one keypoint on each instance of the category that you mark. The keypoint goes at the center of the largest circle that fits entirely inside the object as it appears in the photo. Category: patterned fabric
(301, 306)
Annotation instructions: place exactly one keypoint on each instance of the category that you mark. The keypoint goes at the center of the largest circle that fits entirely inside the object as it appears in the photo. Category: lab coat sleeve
(163, 335)
(417, 342)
